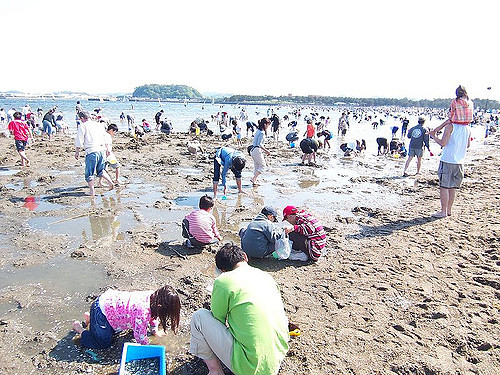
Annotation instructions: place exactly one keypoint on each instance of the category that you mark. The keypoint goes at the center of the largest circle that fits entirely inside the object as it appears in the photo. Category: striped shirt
(461, 111)
(309, 226)
(202, 226)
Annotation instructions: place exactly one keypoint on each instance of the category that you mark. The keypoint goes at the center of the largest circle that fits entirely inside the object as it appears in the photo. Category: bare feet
(86, 317)
(439, 215)
(77, 326)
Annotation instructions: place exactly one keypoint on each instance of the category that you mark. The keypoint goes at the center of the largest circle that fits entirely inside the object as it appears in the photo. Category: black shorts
(308, 146)
(382, 142)
(20, 145)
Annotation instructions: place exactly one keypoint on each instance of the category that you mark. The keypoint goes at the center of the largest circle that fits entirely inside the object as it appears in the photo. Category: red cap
(289, 210)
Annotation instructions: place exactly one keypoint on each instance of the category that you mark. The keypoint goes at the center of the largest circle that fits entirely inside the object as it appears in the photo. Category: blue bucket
(132, 351)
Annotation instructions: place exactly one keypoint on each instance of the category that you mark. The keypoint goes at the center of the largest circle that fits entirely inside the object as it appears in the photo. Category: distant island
(184, 93)
(155, 91)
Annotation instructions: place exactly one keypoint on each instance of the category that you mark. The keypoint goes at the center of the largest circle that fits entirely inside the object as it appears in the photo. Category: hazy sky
(357, 48)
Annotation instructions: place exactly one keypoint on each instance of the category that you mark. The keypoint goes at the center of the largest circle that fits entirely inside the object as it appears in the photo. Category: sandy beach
(398, 292)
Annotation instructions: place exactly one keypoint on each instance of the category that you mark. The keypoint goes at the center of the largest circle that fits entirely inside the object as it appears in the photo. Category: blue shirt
(224, 156)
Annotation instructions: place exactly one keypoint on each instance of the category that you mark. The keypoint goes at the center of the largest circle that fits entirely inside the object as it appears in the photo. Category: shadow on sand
(387, 229)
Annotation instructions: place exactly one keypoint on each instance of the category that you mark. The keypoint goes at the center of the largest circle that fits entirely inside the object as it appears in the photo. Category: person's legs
(185, 229)
(419, 164)
(444, 197)
(451, 199)
(210, 341)
(407, 164)
(299, 242)
(100, 333)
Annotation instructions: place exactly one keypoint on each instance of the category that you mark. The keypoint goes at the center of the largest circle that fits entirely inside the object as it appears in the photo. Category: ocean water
(181, 115)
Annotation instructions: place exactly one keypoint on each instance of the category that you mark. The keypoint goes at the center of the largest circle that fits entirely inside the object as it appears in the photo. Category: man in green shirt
(255, 339)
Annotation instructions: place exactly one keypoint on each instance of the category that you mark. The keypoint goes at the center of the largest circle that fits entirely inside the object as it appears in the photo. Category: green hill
(156, 91)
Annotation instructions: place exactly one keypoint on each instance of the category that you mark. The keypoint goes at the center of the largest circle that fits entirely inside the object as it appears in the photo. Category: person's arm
(443, 141)
(141, 330)
(79, 141)
(214, 228)
(447, 122)
(219, 304)
(266, 150)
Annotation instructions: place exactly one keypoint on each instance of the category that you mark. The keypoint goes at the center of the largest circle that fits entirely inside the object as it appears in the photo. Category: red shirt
(19, 129)
(310, 131)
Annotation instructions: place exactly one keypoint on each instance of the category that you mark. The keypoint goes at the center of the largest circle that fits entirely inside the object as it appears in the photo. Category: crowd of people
(246, 328)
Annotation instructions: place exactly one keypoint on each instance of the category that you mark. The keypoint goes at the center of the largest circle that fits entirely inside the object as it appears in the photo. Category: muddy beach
(398, 292)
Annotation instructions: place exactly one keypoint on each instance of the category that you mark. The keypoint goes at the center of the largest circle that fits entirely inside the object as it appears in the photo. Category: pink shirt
(19, 129)
(202, 225)
(129, 310)
(461, 111)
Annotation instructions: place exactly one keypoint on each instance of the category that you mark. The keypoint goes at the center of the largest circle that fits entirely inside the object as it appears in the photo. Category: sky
(355, 48)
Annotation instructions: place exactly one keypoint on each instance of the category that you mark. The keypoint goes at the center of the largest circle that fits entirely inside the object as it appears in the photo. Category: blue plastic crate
(133, 351)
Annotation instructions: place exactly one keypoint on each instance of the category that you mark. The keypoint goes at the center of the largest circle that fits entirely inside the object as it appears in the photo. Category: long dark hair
(461, 92)
(262, 123)
(165, 303)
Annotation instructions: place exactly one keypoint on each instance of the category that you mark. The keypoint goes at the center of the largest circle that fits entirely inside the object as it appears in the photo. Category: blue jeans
(47, 127)
(95, 162)
(100, 333)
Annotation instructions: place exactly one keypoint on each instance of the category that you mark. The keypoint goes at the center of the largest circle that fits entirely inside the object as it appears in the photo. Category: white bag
(282, 247)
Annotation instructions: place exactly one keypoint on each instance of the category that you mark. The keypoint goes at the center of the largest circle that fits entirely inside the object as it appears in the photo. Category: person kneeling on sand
(259, 238)
(306, 233)
(115, 311)
(248, 300)
(199, 226)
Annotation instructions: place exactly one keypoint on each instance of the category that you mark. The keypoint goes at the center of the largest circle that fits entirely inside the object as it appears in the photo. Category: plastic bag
(282, 248)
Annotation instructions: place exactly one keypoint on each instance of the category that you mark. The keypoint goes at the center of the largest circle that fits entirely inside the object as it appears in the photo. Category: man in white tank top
(455, 141)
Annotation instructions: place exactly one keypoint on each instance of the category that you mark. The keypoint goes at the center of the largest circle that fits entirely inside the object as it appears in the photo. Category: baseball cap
(289, 210)
(268, 210)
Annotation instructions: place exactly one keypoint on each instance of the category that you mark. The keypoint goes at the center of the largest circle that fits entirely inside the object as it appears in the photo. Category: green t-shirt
(250, 301)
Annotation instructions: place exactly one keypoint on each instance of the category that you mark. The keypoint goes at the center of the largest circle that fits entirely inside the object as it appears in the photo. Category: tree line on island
(157, 91)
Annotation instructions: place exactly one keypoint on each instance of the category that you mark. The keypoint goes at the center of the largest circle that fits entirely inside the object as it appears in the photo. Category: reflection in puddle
(36, 204)
(59, 281)
(87, 227)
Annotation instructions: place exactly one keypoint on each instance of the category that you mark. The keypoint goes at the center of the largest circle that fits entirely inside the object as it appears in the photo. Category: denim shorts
(95, 162)
(20, 145)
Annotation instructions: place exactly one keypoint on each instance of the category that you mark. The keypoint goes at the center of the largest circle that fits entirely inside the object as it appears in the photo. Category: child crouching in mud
(115, 311)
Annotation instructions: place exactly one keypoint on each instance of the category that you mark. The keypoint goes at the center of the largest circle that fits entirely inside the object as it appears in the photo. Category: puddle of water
(19, 185)
(141, 193)
(91, 227)
(190, 200)
(60, 282)
(8, 172)
(189, 171)
(39, 204)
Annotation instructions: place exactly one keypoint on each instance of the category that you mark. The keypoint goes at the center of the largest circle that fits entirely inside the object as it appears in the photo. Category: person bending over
(116, 310)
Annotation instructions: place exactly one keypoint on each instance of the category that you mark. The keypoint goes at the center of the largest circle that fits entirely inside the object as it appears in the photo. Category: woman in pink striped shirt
(115, 311)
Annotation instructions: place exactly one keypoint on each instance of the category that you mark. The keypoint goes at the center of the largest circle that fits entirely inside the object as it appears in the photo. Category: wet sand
(399, 292)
